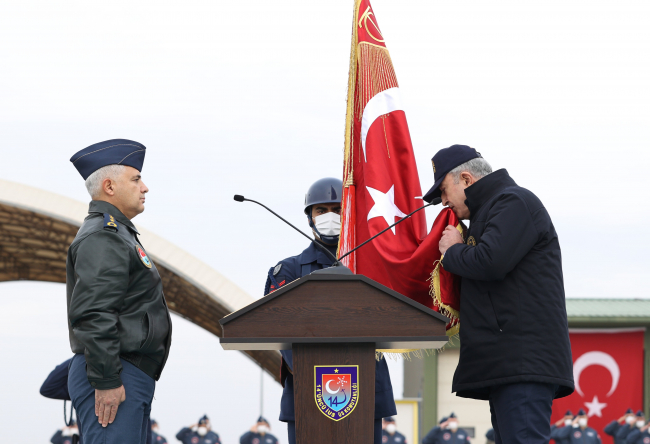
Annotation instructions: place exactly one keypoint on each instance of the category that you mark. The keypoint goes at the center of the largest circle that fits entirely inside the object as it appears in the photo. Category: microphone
(435, 201)
(336, 263)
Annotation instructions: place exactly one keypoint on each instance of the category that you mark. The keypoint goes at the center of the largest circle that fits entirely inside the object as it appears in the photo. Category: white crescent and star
(327, 387)
(604, 360)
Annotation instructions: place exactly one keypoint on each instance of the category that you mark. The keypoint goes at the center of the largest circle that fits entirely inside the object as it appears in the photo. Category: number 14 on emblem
(336, 390)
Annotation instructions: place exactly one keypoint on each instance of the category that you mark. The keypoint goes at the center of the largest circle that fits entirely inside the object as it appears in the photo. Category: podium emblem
(336, 390)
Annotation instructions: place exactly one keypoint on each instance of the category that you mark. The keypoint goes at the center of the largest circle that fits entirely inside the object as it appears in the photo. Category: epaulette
(110, 222)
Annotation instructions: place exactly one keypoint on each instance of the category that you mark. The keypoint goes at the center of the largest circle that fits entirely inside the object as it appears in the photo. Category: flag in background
(381, 183)
(608, 375)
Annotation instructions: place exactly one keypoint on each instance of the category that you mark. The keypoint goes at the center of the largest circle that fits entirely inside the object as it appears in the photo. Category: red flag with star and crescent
(608, 375)
(381, 183)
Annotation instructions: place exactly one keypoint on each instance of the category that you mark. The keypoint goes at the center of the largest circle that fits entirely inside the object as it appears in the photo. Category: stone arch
(36, 228)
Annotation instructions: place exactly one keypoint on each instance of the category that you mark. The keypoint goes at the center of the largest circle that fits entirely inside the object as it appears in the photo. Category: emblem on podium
(336, 390)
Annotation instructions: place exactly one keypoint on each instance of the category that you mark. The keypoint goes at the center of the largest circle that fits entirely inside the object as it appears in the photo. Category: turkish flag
(608, 374)
(381, 183)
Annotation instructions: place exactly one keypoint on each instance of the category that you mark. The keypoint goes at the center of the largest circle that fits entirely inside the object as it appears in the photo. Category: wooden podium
(334, 323)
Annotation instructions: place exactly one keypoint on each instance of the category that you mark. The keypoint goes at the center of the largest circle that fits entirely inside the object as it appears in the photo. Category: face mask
(328, 224)
(640, 424)
(453, 426)
(391, 428)
(262, 429)
(568, 422)
(629, 419)
(66, 432)
(202, 431)
(582, 422)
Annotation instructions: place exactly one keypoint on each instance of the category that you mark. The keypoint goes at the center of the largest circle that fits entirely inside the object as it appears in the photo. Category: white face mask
(640, 424)
(582, 422)
(391, 428)
(328, 224)
(453, 426)
(66, 432)
(262, 429)
(202, 431)
(629, 419)
(568, 422)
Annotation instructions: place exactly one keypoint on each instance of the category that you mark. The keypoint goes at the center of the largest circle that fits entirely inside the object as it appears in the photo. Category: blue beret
(453, 415)
(489, 435)
(204, 419)
(109, 152)
(640, 413)
(262, 419)
(446, 160)
(443, 419)
(629, 411)
(581, 413)
(389, 419)
(568, 413)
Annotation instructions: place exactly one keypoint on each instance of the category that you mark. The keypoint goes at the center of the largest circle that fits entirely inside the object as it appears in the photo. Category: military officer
(613, 427)
(155, 437)
(118, 321)
(447, 432)
(640, 435)
(323, 209)
(67, 435)
(259, 433)
(199, 433)
(389, 434)
(578, 432)
(637, 422)
(566, 421)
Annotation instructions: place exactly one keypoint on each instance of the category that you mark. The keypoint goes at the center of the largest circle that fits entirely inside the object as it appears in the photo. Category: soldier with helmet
(323, 211)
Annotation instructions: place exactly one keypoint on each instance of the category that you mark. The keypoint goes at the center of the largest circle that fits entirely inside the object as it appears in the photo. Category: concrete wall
(470, 412)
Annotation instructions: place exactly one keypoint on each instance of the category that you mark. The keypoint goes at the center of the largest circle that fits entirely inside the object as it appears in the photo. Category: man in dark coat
(627, 420)
(640, 435)
(630, 427)
(323, 209)
(515, 349)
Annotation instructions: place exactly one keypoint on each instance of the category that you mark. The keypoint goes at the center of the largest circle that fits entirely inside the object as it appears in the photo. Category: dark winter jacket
(512, 309)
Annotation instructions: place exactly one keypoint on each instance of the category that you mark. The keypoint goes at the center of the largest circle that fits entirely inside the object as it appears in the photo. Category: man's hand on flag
(450, 236)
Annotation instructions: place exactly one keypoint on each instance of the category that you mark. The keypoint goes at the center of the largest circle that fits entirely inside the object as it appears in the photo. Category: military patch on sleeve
(143, 256)
(110, 222)
(277, 269)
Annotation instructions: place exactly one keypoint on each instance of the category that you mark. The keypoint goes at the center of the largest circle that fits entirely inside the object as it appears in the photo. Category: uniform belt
(144, 363)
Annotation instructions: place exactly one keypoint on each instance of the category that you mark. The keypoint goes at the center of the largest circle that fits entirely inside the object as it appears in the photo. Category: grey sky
(249, 98)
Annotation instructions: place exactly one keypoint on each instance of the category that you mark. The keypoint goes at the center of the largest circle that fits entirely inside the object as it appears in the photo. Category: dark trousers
(521, 412)
(132, 419)
(291, 429)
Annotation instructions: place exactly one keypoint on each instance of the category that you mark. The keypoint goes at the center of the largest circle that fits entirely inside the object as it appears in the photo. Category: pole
(261, 391)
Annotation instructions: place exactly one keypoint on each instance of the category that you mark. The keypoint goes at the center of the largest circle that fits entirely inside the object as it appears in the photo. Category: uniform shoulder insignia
(110, 222)
(277, 269)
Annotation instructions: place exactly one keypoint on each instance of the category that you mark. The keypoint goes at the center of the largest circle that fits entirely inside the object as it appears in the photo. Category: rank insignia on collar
(336, 390)
(277, 269)
(110, 222)
(143, 256)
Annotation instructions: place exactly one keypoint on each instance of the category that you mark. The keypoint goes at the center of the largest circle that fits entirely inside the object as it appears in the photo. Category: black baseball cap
(446, 160)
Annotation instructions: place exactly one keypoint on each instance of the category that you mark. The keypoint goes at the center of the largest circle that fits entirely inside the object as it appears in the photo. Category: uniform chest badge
(256, 441)
(471, 241)
(577, 434)
(195, 439)
(384, 438)
(336, 390)
(646, 440)
(143, 256)
(446, 436)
